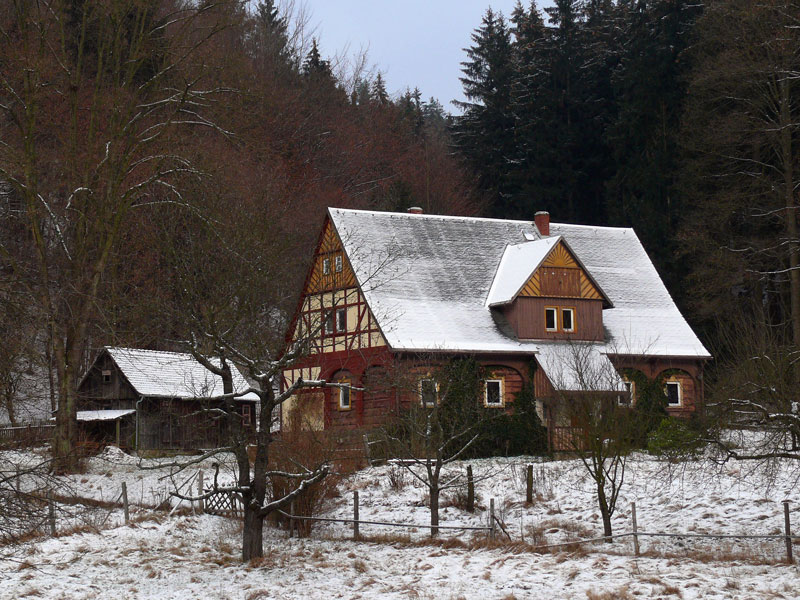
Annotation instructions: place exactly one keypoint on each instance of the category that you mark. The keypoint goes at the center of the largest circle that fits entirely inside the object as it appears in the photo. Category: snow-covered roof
(578, 366)
(427, 279)
(518, 263)
(161, 374)
(103, 415)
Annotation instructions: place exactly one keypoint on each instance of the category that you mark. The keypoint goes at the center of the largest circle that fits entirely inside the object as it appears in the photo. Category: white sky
(414, 43)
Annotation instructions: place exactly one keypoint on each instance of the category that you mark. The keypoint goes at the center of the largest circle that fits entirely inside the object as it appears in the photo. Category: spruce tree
(485, 131)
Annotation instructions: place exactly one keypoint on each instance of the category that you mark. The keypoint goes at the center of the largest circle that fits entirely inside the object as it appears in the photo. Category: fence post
(291, 519)
(355, 515)
(125, 502)
(529, 486)
(491, 519)
(635, 529)
(51, 510)
(787, 527)
(470, 490)
(200, 490)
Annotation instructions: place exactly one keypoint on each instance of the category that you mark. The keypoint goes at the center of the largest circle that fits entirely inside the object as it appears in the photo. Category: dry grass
(621, 594)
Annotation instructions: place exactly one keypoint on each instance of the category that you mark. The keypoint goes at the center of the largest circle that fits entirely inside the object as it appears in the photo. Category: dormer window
(551, 319)
(568, 319)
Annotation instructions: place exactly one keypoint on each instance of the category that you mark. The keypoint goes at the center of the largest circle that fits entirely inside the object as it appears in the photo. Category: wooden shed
(155, 400)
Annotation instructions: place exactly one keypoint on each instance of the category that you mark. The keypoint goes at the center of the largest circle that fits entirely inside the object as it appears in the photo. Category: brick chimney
(542, 221)
(415, 210)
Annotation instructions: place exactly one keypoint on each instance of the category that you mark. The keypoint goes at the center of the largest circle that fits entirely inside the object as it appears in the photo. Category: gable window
(338, 264)
(493, 393)
(326, 266)
(106, 376)
(427, 392)
(344, 396)
(341, 320)
(674, 393)
(568, 319)
(551, 319)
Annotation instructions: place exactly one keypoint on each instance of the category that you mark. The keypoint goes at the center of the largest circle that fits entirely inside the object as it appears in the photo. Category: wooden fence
(25, 434)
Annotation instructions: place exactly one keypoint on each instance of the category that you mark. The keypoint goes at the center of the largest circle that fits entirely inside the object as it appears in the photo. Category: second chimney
(542, 221)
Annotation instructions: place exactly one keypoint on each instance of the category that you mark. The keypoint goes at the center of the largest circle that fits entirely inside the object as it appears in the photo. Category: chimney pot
(415, 210)
(542, 221)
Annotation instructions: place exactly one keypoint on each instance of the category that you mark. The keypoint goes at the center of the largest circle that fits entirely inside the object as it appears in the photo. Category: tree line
(674, 117)
(165, 166)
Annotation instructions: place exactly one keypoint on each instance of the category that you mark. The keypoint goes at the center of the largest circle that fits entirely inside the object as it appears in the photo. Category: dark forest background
(122, 221)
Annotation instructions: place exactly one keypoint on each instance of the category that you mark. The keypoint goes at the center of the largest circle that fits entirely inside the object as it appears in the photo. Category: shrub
(674, 438)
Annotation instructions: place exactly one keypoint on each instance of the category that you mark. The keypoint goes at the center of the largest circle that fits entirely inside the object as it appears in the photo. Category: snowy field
(196, 556)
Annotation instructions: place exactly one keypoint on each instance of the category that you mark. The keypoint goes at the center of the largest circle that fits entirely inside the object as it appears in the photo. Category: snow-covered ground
(196, 556)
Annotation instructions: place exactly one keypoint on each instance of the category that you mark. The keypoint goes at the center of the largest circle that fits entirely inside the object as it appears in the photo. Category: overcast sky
(414, 43)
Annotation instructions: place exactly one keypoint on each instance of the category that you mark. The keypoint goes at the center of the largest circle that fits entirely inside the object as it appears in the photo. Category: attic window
(568, 319)
(338, 264)
(106, 376)
(326, 266)
(551, 319)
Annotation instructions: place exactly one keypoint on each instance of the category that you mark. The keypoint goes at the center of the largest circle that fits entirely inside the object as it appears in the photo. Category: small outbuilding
(155, 400)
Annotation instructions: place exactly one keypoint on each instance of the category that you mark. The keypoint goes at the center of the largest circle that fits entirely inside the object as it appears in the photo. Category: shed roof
(154, 373)
(427, 279)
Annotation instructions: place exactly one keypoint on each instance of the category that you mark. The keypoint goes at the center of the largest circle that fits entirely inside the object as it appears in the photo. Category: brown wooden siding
(526, 316)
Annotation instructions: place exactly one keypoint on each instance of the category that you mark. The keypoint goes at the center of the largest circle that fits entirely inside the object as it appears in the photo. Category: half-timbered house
(148, 400)
(388, 289)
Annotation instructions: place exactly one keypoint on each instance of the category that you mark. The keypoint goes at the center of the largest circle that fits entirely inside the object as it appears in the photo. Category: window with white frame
(326, 266)
(341, 320)
(493, 393)
(568, 319)
(338, 263)
(674, 393)
(427, 392)
(551, 319)
(627, 398)
(344, 395)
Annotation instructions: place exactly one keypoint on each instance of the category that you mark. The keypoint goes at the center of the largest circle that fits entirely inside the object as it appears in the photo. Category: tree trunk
(602, 501)
(434, 492)
(65, 458)
(253, 532)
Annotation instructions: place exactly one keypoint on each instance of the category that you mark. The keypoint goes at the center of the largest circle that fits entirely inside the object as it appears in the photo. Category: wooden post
(18, 478)
(635, 529)
(529, 486)
(291, 519)
(491, 519)
(125, 502)
(200, 489)
(470, 490)
(355, 515)
(788, 529)
(51, 509)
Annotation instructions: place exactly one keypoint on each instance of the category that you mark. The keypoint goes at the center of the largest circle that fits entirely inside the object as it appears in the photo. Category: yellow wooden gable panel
(331, 250)
(561, 262)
